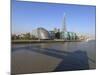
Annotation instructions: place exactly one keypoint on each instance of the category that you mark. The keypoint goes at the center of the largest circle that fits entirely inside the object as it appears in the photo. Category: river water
(52, 57)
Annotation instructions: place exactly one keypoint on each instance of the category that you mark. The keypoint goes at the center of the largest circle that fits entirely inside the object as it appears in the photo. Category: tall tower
(64, 24)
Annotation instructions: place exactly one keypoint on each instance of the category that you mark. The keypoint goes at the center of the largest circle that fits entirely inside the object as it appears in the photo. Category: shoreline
(43, 41)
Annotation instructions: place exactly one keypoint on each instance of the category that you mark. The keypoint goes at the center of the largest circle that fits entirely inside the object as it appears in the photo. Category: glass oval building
(41, 33)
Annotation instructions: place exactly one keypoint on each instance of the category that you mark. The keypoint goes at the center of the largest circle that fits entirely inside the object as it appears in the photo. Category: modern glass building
(52, 34)
(69, 36)
(41, 33)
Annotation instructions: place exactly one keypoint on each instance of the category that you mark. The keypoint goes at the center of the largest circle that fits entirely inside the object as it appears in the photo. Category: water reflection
(61, 57)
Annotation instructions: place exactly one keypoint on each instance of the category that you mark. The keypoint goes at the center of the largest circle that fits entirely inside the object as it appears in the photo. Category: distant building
(64, 29)
(56, 30)
(41, 33)
(52, 34)
(69, 36)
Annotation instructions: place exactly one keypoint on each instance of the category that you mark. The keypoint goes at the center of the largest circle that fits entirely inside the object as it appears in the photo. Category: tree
(27, 36)
(13, 37)
(57, 35)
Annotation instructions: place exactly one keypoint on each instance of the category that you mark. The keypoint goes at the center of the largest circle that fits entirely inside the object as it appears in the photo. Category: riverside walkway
(44, 41)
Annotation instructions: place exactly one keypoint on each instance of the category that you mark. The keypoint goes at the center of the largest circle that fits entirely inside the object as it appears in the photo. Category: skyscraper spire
(64, 23)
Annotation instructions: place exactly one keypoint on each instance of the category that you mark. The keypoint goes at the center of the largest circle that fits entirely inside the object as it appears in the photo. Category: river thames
(53, 57)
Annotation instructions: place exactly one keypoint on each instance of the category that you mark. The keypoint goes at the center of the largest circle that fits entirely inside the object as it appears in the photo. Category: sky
(27, 16)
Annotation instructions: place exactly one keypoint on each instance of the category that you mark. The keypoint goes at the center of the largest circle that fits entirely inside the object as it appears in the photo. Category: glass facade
(41, 33)
(69, 35)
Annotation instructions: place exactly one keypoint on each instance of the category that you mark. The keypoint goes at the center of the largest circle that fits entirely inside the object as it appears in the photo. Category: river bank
(43, 41)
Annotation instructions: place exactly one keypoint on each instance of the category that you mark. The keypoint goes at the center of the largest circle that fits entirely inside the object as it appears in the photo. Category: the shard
(64, 24)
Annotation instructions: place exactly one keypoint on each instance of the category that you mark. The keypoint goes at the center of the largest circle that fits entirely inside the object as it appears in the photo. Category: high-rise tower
(64, 24)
